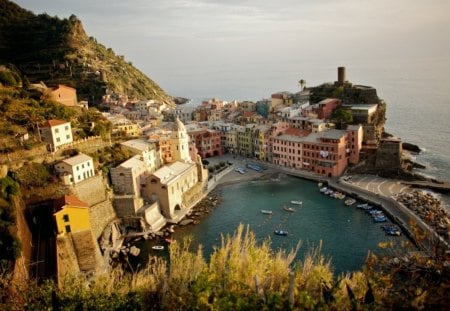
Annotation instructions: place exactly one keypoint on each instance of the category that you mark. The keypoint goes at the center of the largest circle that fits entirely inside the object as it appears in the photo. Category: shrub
(222, 164)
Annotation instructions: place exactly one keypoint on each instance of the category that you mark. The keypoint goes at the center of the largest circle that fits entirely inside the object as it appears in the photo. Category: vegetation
(58, 51)
(9, 244)
(245, 275)
(342, 117)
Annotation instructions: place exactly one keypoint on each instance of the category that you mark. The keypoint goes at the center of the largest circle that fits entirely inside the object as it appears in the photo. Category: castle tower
(180, 143)
(341, 76)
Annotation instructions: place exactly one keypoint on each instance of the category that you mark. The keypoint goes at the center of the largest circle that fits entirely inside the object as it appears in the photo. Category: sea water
(347, 234)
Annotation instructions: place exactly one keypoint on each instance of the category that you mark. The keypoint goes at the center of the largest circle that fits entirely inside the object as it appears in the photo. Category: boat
(380, 219)
(264, 211)
(297, 202)
(362, 206)
(391, 230)
(289, 209)
(281, 232)
(158, 247)
(240, 170)
(323, 190)
(349, 201)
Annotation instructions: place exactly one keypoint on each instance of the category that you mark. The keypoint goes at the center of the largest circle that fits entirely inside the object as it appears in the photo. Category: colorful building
(71, 215)
(75, 169)
(208, 142)
(57, 134)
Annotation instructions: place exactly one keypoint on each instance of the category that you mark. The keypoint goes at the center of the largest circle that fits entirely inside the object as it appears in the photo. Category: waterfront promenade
(376, 190)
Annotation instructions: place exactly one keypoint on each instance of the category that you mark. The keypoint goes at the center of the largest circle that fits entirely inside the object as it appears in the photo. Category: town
(162, 170)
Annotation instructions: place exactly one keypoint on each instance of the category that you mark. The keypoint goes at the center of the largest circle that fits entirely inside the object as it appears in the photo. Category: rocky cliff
(58, 51)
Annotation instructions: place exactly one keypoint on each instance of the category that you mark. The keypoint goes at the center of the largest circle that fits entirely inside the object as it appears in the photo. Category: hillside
(58, 51)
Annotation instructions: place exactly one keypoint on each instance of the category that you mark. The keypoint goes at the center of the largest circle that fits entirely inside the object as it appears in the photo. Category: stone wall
(389, 155)
(100, 215)
(126, 206)
(91, 190)
(94, 192)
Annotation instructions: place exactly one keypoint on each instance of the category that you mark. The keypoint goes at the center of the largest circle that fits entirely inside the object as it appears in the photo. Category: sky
(205, 48)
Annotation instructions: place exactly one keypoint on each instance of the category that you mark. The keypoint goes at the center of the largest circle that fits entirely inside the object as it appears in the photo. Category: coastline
(382, 197)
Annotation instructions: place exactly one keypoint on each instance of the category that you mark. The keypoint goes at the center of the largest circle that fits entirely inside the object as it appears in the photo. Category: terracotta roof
(69, 200)
(248, 114)
(54, 122)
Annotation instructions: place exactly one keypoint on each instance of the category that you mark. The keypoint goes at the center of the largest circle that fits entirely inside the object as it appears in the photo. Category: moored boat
(289, 209)
(349, 201)
(158, 247)
(297, 202)
(391, 230)
(267, 212)
(380, 219)
(281, 232)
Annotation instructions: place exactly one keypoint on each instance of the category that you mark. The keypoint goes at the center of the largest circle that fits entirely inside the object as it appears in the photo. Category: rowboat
(158, 247)
(264, 211)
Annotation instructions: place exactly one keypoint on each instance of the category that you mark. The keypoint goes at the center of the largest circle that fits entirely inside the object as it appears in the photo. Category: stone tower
(180, 143)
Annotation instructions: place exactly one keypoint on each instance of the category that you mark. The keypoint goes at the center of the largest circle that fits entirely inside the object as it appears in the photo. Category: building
(127, 177)
(64, 95)
(362, 113)
(146, 150)
(57, 134)
(208, 142)
(326, 153)
(71, 215)
(325, 108)
(168, 186)
(75, 169)
(77, 249)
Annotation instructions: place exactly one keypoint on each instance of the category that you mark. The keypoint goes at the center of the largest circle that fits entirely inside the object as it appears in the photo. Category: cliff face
(58, 51)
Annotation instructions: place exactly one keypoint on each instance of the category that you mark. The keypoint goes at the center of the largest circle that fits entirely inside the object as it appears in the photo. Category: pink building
(326, 153)
(325, 108)
(208, 142)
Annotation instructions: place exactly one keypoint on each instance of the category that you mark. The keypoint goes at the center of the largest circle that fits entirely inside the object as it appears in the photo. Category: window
(56, 130)
(66, 218)
(66, 127)
(68, 229)
(67, 136)
(58, 139)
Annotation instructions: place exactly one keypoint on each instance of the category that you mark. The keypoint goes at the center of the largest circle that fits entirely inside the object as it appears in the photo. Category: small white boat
(297, 202)
(289, 209)
(158, 247)
(349, 201)
(264, 211)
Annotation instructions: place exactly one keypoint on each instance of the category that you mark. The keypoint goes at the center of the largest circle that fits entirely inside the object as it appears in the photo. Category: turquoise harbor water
(347, 232)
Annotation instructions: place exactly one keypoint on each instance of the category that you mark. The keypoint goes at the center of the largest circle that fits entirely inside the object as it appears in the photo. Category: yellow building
(72, 215)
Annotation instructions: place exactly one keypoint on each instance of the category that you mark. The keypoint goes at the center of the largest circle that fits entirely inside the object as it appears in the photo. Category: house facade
(71, 215)
(75, 169)
(57, 134)
(168, 184)
(64, 95)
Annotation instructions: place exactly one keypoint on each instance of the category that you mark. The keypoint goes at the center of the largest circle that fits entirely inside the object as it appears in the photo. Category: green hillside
(58, 51)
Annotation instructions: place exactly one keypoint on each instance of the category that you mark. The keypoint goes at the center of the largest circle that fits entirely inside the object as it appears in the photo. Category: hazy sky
(182, 43)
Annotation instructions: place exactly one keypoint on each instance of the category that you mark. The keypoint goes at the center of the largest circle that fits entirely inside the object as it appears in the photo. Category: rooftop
(78, 159)
(139, 144)
(170, 172)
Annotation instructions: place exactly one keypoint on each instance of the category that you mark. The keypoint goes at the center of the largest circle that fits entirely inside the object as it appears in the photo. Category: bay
(346, 233)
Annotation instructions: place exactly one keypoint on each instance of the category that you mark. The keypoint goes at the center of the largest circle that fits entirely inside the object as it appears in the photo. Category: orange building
(64, 95)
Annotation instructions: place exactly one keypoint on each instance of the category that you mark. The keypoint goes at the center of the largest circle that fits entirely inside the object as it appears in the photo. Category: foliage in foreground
(244, 275)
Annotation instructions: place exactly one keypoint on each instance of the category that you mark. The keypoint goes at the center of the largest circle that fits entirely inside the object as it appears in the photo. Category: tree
(302, 84)
(342, 116)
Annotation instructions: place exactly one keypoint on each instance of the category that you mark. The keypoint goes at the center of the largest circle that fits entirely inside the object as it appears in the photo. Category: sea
(344, 234)
(416, 91)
